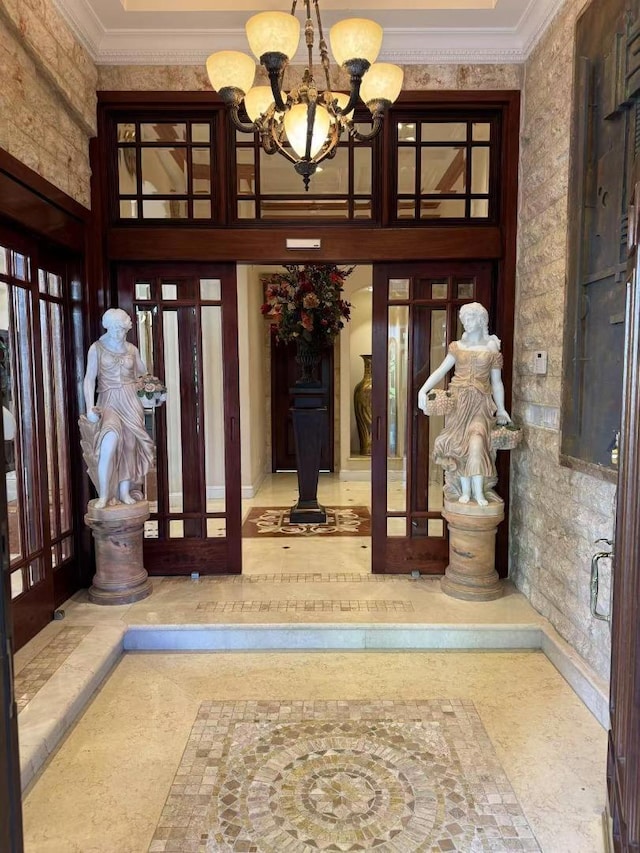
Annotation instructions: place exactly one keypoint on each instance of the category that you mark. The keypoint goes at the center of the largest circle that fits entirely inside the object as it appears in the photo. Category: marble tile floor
(314, 588)
(427, 751)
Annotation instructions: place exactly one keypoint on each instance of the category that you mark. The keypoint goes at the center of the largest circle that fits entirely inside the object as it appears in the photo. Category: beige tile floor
(105, 788)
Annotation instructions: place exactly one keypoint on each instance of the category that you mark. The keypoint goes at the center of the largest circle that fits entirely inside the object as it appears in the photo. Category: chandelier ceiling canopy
(305, 124)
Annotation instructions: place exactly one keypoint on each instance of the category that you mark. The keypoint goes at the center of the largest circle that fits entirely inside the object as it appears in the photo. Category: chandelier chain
(322, 44)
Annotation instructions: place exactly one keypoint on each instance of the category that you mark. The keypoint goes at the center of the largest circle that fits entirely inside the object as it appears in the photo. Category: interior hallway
(499, 754)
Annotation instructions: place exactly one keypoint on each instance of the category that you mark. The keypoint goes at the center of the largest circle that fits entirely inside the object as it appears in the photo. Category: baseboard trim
(607, 830)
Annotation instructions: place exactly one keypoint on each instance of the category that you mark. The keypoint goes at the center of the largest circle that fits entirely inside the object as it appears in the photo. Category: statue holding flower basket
(476, 426)
(119, 453)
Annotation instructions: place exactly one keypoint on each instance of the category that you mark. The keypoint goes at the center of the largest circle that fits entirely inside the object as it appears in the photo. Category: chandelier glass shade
(305, 124)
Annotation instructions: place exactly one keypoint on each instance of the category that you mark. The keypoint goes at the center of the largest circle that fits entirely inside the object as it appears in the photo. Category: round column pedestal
(471, 574)
(120, 577)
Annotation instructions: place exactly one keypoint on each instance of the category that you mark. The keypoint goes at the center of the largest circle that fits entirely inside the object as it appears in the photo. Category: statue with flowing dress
(463, 448)
(116, 446)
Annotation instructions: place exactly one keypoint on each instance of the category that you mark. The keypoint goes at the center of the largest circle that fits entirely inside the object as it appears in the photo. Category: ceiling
(185, 32)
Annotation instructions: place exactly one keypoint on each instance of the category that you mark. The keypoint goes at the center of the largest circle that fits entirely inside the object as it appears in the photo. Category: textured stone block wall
(556, 514)
(194, 78)
(47, 96)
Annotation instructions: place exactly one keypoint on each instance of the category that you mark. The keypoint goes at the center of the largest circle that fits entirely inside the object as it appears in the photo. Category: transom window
(268, 187)
(430, 165)
(165, 169)
(443, 169)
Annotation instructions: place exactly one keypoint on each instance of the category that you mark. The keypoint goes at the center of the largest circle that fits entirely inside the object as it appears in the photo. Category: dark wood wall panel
(268, 245)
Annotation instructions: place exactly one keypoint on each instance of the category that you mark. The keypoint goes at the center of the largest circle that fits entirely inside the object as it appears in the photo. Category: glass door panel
(28, 468)
(214, 408)
(397, 372)
(173, 412)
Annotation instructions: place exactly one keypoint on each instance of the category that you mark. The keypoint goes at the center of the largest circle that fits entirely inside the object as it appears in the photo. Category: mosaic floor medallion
(297, 777)
(274, 521)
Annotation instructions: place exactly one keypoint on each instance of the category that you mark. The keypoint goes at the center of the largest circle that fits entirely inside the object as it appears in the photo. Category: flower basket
(505, 437)
(440, 402)
(151, 392)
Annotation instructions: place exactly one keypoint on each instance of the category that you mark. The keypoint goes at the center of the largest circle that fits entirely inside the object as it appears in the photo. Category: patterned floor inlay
(303, 777)
(305, 606)
(34, 675)
(293, 577)
(274, 521)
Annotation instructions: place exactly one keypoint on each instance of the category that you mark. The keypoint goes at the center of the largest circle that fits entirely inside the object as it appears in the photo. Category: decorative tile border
(295, 577)
(340, 776)
(35, 674)
(313, 606)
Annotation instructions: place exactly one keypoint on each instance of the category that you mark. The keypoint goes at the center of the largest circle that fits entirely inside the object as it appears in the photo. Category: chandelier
(305, 125)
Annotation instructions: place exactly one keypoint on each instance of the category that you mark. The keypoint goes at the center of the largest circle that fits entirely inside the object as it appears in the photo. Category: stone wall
(557, 514)
(194, 78)
(48, 95)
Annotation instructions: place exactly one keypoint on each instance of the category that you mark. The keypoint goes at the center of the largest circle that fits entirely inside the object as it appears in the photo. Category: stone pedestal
(118, 530)
(471, 573)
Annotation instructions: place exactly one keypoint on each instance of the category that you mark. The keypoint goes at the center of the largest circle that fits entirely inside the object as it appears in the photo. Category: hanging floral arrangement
(305, 303)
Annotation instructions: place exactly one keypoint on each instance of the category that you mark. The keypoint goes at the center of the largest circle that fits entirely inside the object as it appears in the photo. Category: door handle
(232, 429)
(595, 582)
(378, 428)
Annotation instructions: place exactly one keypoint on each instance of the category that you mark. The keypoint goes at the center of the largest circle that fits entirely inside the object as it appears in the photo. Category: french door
(185, 324)
(40, 330)
(415, 318)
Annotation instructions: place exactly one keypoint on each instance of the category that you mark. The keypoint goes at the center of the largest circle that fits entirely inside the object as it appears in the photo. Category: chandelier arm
(275, 64)
(237, 121)
(357, 68)
(367, 137)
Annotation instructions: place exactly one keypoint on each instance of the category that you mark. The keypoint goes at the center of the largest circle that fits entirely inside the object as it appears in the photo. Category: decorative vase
(362, 406)
(308, 357)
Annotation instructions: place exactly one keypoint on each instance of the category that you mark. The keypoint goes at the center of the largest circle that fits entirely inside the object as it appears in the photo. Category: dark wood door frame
(623, 764)
(197, 551)
(339, 244)
(10, 797)
(40, 220)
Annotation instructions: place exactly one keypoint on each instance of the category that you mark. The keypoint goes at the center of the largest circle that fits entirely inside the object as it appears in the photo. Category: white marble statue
(115, 444)
(463, 448)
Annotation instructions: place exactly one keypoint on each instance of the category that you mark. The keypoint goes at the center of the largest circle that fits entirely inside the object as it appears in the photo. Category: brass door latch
(595, 580)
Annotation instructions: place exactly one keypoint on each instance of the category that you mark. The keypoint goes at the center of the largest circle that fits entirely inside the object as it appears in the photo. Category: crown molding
(534, 22)
(402, 46)
(83, 23)
(415, 46)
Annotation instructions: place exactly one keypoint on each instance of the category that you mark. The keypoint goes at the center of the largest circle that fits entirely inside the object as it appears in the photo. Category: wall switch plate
(540, 363)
